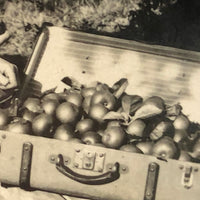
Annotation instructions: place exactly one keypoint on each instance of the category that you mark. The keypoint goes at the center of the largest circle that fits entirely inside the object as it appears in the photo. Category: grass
(160, 23)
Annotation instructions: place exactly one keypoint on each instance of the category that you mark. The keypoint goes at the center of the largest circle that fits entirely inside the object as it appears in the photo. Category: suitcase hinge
(151, 182)
(24, 180)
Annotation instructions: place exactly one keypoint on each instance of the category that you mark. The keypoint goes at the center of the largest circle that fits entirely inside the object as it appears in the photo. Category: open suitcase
(95, 172)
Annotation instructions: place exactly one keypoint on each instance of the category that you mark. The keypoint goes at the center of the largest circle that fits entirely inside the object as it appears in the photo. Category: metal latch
(151, 182)
(89, 160)
(187, 176)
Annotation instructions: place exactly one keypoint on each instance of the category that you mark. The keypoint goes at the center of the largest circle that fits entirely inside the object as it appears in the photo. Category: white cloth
(15, 193)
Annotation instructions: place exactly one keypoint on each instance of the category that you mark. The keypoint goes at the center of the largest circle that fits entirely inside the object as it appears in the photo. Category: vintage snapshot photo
(99, 100)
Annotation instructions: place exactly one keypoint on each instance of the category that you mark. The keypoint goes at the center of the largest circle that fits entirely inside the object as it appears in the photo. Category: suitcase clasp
(187, 176)
(89, 160)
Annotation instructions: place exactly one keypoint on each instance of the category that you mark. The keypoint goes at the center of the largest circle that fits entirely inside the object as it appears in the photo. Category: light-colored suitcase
(95, 172)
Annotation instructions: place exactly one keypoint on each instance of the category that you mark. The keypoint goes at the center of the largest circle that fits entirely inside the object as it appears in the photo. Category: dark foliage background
(173, 23)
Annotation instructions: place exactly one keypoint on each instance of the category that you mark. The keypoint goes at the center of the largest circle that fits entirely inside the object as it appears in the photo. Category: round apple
(88, 91)
(33, 104)
(42, 125)
(67, 112)
(165, 148)
(180, 135)
(97, 112)
(75, 98)
(114, 137)
(20, 126)
(181, 122)
(105, 98)
(90, 138)
(185, 156)
(64, 132)
(49, 106)
(145, 147)
(85, 125)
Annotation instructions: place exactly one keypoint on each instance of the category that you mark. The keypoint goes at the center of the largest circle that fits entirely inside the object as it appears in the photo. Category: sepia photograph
(99, 99)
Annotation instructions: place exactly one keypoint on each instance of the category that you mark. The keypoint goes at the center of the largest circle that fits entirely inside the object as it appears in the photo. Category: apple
(105, 98)
(64, 132)
(165, 148)
(88, 91)
(85, 125)
(185, 156)
(28, 115)
(114, 137)
(90, 137)
(67, 112)
(49, 106)
(42, 125)
(181, 122)
(180, 135)
(21, 127)
(145, 147)
(75, 98)
(33, 104)
(97, 112)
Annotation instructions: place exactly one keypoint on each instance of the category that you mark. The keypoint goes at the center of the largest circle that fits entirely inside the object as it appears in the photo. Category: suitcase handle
(107, 177)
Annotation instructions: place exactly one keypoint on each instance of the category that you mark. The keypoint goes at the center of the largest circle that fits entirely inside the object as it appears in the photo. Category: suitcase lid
(172, 74)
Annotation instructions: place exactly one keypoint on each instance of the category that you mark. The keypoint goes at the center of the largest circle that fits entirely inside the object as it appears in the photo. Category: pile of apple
(107, 116)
